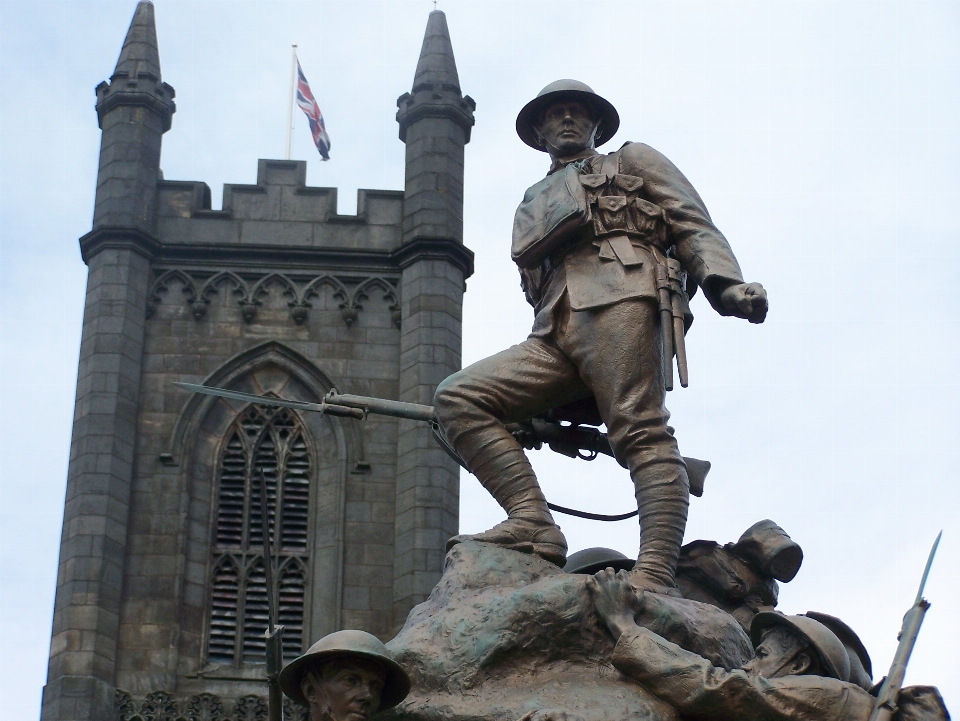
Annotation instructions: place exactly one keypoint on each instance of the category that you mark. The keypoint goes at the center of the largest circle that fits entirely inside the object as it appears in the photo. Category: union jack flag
(308, 104)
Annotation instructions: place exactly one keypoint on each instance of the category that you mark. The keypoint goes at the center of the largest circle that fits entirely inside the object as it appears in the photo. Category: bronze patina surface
(608, 247)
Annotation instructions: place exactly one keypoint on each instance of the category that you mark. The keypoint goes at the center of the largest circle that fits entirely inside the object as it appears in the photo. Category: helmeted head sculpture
(591, 560)
(560, 92)
(345, 676)
(796, 645)
(861, 669)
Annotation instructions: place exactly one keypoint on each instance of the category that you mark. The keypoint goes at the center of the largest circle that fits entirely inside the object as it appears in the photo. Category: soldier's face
(567, 128)
(348, 691)
(780, 653)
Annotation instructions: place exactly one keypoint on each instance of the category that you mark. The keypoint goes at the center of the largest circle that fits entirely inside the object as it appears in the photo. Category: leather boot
(663, 497)
(507, 475)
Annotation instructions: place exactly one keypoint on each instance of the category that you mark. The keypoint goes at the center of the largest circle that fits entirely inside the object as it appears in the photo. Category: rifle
(274, 633)
(574, 441)
(568, 440)
(889, 694)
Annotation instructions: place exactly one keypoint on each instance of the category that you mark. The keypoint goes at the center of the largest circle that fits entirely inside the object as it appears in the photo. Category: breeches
(613, 353)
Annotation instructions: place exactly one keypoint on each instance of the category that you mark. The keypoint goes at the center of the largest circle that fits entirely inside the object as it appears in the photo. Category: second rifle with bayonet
(273, 636)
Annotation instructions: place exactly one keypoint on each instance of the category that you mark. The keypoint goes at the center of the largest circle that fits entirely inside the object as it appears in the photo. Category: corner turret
(435, 121)
(134, 110)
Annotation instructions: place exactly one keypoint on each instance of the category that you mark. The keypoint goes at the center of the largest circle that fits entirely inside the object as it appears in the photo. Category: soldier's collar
(561, 163)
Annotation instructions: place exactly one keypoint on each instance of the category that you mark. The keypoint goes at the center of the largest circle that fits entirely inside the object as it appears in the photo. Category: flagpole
(293, 82)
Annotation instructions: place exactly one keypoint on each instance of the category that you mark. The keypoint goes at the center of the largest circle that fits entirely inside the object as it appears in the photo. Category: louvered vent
(296, 496)
(276, 442)
(255, 615)
(233, 479)
(291, 609)
(223, 616)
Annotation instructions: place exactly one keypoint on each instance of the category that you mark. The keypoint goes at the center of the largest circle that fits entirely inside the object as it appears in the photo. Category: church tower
(161, 594)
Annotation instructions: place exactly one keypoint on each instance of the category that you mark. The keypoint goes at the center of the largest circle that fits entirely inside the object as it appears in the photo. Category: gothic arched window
(275, 441)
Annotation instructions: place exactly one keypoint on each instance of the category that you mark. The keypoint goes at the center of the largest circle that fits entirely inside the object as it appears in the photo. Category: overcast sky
(823, 136)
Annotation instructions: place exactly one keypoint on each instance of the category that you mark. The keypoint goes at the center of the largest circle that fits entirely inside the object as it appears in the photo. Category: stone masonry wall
(339, 321)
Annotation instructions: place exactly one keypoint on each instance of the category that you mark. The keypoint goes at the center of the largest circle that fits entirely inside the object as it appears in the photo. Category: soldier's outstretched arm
(701, 247)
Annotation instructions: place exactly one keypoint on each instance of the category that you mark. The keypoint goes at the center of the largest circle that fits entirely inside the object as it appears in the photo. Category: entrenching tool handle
(666, 324)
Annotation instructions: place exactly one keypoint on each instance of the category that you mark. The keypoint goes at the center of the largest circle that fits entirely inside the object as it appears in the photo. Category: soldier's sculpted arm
(700, 690)
(702, 248)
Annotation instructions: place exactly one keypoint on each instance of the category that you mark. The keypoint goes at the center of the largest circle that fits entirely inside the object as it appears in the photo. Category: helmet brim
(770, 619)
(530, 114)
(594, 560)
(396, 684)
(617, 564)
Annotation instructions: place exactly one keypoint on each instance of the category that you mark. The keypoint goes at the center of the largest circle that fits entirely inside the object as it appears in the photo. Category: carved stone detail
(205, 707)
(160, 706)
(164, 706)
(250, 708)
(160, 288)
(396, 314)
(199, 287)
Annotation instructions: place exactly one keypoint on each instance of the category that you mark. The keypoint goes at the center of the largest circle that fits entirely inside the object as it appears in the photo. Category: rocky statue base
(507, 636)
(505, 633)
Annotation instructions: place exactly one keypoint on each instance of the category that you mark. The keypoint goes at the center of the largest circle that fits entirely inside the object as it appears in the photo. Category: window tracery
(274, 441)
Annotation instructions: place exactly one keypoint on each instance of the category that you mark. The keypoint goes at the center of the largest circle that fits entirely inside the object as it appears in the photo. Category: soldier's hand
(526, 436)
(746, 300)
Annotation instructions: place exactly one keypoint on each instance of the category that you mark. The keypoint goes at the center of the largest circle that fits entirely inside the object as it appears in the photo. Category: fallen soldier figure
(800, 671)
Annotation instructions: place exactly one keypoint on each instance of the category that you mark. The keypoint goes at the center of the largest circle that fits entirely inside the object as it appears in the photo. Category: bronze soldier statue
(608, 248)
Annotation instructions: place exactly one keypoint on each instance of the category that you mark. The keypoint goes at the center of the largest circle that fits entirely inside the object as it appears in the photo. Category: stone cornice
(145, 92)
(278, 258)
(412, 108)
(446, 249)
(344, 259)
(110, 237)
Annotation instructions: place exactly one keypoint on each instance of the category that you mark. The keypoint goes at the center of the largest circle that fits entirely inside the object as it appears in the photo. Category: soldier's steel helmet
(861, 670)
(832, 655)
(567, 90)
(592, 560)
(348, 645)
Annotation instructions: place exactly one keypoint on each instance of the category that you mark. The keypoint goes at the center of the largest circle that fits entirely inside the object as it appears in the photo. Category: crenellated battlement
(279, 210)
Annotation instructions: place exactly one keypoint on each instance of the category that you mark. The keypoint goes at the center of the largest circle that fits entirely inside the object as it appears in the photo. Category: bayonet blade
(253, 398)
(926, 571)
